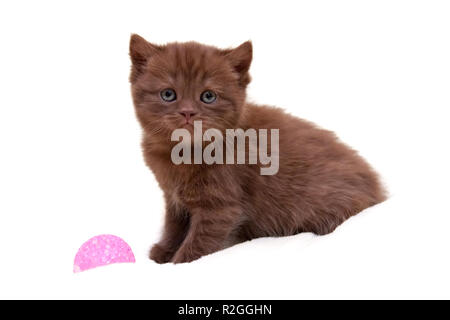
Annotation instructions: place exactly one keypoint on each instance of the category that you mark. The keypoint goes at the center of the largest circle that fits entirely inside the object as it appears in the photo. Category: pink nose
(187, 114)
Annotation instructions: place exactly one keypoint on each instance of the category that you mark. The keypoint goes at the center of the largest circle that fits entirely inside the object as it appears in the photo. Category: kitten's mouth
(187, 123)
(188, 126)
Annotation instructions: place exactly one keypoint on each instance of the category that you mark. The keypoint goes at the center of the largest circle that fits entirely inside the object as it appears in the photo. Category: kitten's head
(178, 83)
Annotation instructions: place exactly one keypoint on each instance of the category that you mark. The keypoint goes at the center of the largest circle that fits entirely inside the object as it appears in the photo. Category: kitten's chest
(186, 188)
(195, 185)
(181, 183)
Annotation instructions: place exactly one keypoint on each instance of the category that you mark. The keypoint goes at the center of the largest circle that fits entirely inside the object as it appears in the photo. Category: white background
(376, 72)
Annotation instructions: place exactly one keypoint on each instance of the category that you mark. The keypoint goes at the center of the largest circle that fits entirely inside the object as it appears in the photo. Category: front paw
(160, 254)
(182, 256)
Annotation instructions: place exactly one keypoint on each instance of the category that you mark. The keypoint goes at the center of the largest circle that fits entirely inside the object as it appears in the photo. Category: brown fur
(321, 182)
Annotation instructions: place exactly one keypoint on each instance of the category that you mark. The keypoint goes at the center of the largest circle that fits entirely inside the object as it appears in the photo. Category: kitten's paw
(160, 254)
(183, 257)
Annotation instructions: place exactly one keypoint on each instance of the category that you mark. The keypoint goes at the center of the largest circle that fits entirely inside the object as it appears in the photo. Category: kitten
(320, 182)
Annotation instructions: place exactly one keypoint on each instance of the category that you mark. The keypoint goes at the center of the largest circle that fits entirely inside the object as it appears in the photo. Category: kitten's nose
(188, 114)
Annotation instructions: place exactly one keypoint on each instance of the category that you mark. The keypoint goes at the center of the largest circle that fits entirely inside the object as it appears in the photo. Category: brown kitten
(320, 183)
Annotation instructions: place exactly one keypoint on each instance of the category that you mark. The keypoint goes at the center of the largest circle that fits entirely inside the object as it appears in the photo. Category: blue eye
(168, 95)
(208, 97)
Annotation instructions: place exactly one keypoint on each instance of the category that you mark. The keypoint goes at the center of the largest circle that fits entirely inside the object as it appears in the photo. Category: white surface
(375, 72)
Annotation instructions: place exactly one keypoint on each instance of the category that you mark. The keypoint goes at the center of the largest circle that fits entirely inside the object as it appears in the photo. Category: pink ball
(102, 250)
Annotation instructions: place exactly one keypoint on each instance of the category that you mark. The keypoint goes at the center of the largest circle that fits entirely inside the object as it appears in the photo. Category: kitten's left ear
(241, 58)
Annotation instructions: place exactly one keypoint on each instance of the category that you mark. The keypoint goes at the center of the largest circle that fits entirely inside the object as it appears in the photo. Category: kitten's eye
(168, 95)
(208, 96)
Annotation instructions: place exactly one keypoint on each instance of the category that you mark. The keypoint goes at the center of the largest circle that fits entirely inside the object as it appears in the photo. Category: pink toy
(102, 250)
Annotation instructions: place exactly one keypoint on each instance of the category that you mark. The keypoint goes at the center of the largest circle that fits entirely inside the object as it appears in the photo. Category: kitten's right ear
(140, 51)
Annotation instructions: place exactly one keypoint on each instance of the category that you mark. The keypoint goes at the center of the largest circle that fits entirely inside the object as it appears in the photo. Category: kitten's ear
(241, 58)
(140, 51)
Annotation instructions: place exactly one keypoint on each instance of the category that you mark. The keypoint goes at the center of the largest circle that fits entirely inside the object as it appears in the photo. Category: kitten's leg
(208, 232)
(175, 229)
